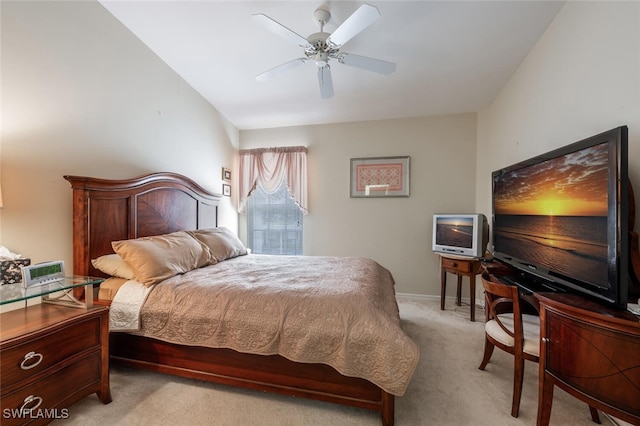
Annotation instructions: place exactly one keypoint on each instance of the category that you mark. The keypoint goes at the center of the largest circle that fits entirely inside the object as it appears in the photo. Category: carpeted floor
(447, 388)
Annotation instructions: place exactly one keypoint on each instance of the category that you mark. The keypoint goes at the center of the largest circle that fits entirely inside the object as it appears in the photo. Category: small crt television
(460, 234)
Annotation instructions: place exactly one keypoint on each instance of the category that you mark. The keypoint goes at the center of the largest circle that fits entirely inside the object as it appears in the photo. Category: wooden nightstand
(461, 267)
(51, 356)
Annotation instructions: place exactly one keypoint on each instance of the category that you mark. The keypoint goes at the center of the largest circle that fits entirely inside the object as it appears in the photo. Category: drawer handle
(28, 361)
(31, 399)
(454, 264)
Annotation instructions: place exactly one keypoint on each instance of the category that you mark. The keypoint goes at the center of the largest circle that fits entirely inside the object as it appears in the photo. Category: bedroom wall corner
(81, 95)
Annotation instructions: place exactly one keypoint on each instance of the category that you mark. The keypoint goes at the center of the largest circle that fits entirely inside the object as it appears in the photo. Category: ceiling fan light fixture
(321, 47)
(321, 59)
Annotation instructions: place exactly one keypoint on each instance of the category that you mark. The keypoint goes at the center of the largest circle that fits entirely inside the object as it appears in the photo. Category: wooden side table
(461, 267)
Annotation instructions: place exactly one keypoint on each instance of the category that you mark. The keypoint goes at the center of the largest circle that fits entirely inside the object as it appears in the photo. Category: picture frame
(226, 174)
(226, 190)
(380, 177)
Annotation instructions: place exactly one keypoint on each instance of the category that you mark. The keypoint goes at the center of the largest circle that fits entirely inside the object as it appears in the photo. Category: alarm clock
(42, 273)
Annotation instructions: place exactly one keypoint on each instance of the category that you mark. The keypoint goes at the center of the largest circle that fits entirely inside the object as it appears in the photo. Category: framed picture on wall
(226, 190)
(380, 177)
(226, 174)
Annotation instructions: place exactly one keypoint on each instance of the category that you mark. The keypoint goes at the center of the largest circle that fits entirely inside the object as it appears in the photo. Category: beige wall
(582, 78)
(396, 232)
(82, 96)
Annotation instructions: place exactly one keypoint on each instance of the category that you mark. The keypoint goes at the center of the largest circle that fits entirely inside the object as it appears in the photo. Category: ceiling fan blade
(365, 63)
(279, 29)
(358, 21)
(280, 69)
(326, 84)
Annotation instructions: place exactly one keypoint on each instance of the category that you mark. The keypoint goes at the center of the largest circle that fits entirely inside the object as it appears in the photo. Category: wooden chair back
(502, 299)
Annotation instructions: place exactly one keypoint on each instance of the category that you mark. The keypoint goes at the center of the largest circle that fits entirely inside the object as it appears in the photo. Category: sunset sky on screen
(572, 185)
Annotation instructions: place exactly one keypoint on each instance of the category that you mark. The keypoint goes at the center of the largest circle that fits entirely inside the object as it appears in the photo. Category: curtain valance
(268, 167)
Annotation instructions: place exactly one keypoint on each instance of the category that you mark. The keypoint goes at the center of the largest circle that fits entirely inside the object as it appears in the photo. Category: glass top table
(60, 292)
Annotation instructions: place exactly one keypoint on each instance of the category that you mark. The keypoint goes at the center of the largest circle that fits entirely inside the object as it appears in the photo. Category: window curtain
(268, 167)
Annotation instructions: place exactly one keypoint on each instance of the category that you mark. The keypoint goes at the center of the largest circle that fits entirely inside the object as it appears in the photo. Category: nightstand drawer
(40, 398)
(457, 265)
(22, 359)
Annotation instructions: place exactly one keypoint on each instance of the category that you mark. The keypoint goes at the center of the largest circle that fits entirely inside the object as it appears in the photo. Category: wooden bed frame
(109, 210)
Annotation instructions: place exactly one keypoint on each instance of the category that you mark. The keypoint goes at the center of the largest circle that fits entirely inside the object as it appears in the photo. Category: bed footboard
(267, 373)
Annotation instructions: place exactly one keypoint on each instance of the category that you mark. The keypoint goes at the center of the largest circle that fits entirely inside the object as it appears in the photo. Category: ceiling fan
(323, 47)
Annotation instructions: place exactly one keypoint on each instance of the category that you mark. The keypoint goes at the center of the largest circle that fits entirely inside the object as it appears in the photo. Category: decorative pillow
(222, 243)
(112, 264)
(157, 258)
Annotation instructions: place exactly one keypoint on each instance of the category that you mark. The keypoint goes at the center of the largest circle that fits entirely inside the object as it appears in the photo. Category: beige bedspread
(332, 310)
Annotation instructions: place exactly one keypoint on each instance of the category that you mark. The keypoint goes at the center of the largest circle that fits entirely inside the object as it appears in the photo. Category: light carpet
(447, 388)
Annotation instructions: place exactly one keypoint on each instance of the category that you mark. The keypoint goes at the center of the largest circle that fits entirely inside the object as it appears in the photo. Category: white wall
(581, 78)
(82, 96)
(396, 232)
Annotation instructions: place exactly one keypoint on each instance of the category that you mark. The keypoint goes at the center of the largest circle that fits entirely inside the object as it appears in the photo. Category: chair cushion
(530, 324)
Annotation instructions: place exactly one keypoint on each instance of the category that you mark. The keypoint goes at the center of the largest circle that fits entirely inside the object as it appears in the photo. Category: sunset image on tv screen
(555, 213)
(454, 231)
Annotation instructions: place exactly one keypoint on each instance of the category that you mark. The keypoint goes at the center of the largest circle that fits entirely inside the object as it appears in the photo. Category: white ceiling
(451, 56)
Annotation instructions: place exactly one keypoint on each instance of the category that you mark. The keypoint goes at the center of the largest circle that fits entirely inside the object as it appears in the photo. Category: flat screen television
(561, 218)
(460, 234)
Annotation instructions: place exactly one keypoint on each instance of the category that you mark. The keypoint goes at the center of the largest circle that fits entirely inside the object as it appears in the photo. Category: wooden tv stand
(590, 351)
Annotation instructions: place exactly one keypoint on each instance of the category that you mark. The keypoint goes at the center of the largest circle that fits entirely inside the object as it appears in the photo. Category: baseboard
(448, 300)
(418, 296)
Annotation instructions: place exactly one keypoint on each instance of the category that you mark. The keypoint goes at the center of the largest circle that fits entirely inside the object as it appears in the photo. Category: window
(273, 194)
(274, 222)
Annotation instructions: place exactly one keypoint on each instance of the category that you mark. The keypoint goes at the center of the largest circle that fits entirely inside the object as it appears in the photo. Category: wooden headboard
(111, 210)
